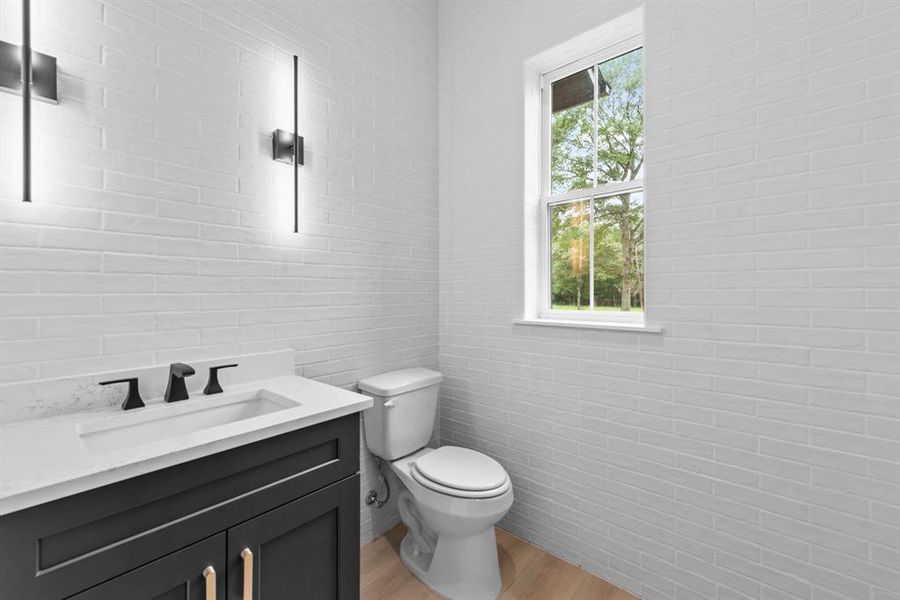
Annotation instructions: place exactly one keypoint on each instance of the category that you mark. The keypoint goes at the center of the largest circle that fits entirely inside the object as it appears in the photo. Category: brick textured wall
(751, 450)
(160, 229)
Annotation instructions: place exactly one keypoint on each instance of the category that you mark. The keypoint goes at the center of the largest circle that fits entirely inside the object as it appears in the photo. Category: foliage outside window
(594, 200)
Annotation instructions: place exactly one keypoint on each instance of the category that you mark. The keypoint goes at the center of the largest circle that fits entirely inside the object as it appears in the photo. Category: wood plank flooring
(527, 572)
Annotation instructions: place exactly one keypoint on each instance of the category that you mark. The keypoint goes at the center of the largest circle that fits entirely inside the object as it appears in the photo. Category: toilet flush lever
(390, 404)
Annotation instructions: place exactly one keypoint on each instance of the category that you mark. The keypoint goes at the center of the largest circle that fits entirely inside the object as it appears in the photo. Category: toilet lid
(466, 494)
(461, 469)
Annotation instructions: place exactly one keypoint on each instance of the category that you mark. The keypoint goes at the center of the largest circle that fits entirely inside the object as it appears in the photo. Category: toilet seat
(461, 472)
(436, 487)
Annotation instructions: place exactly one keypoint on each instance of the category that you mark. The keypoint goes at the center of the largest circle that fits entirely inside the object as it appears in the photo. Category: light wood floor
(527, 573)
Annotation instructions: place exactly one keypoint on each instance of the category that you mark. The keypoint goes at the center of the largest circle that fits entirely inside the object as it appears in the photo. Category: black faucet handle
(212, 386)
(133, 399)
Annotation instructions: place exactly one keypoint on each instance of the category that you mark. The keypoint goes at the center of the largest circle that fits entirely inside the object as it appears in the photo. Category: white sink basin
(152, 424)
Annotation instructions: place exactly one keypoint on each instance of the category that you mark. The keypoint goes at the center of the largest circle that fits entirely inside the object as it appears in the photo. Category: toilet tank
(401, 419)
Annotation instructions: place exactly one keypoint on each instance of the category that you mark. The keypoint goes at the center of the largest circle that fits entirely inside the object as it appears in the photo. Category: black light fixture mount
(288, 148)
(283, 148)
(43, 73)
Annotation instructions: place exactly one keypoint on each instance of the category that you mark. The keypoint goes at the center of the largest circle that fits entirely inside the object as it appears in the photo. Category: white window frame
(548, 200)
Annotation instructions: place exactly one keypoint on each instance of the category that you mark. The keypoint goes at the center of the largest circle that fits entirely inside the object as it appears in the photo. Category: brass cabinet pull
(247, 555)
(209, 574)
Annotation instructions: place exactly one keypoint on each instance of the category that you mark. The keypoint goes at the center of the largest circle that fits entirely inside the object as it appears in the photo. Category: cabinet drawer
(60, 548)
(178, 576)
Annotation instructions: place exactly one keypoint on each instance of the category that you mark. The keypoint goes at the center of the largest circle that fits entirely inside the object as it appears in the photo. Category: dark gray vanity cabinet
(292, 501)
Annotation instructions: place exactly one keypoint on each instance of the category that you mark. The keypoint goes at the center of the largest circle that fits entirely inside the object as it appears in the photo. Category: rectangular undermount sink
(156, 423)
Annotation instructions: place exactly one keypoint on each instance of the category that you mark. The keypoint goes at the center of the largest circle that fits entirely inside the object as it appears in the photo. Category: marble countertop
(46, 459)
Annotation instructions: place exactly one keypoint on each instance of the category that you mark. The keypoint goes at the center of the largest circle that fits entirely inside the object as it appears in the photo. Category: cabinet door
(307, 549)
(181, 575)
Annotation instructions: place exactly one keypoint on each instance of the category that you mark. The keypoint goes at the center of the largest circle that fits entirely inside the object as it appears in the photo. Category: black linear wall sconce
(288, 148)
(31, 73)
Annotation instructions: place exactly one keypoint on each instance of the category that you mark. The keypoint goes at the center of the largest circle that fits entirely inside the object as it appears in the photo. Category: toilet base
(461, 568)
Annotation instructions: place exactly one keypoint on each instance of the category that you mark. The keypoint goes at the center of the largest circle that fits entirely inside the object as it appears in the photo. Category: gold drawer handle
(209, 574)
(247, 555)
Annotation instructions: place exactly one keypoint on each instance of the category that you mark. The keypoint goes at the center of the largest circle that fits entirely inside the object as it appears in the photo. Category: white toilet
(453, 496)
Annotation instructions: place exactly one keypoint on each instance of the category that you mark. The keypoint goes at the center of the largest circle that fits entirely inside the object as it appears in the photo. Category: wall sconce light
(31, 73)
(288, 148)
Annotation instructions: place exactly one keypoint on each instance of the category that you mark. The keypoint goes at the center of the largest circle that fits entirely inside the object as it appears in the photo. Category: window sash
(610, 52)
(547, 204)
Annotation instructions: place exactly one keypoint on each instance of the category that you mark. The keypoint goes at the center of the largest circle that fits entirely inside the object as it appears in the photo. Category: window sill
(610, 326)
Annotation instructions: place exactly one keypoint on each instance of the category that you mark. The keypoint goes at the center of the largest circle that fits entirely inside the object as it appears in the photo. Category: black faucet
(176, 390)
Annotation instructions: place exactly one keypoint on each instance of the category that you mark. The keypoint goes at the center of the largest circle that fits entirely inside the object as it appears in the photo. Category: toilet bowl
(451, 498)
(450, 543)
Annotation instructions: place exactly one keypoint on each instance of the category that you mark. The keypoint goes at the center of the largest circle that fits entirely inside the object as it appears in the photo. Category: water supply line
(372, 496)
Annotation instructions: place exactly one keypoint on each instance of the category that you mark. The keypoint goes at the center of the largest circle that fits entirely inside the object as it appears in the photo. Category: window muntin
(593, 202)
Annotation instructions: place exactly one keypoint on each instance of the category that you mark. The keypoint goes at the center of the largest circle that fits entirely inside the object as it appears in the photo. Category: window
(592, 199)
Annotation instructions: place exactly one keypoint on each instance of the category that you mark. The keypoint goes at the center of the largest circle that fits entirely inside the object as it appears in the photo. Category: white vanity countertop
(46, 459)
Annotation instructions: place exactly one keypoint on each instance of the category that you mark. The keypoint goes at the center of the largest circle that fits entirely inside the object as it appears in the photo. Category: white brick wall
(160, 227)
(753, 449)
